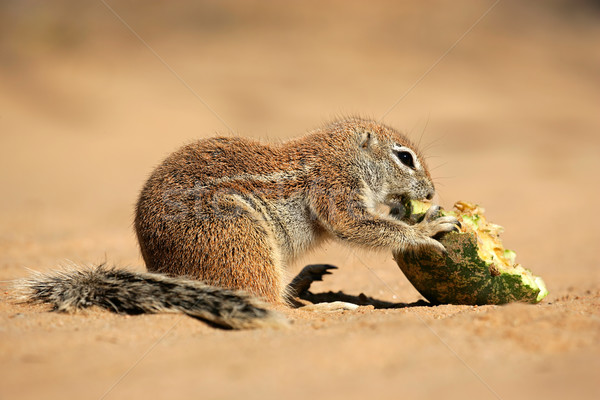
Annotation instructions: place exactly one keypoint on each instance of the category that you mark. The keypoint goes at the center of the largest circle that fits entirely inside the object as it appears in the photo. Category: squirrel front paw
(432, 225)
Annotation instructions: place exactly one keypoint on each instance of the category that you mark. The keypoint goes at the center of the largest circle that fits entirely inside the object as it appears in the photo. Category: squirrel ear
(367, 140)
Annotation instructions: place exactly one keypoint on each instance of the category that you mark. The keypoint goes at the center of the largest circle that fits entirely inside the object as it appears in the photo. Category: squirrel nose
(430, 195)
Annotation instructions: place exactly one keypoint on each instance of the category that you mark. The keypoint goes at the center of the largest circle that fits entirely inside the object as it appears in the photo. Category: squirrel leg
(246, 257)
(224, 244)
(348, 214)
(309, 274)
(300, 285)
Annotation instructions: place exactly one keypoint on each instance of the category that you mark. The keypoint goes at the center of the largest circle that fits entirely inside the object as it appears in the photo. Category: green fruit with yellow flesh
(476, 269)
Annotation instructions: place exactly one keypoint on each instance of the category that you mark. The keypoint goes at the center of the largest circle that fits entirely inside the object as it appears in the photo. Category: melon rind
(462, 276)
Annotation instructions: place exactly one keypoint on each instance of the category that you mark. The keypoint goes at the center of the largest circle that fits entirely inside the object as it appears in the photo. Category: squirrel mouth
(394, 199)
(400, 205)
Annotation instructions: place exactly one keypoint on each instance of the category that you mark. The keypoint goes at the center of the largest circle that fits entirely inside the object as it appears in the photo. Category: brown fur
(233, 212)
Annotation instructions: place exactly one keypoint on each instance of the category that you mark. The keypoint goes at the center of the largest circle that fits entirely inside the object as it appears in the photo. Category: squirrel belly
(229, 214)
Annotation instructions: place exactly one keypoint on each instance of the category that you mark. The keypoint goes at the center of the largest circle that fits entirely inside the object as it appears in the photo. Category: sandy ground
(510, 119)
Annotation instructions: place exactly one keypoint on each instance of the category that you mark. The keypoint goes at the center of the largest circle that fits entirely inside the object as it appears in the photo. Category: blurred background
(94, 94)
(503, 96)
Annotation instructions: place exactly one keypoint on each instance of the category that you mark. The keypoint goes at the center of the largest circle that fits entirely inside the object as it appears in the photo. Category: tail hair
(128, 292)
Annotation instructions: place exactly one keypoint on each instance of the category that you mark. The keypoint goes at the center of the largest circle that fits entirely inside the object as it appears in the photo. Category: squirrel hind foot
(128, 292)
(309, 274)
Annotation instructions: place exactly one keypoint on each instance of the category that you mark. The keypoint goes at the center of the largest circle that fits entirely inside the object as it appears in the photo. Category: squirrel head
(394, 168)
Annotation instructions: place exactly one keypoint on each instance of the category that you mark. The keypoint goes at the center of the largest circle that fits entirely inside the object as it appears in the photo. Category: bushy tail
(129, 292)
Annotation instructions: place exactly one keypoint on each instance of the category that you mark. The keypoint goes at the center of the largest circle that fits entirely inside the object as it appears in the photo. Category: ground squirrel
(219, 219)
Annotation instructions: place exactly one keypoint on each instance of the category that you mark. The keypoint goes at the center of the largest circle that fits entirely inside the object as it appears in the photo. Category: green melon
(476, 269)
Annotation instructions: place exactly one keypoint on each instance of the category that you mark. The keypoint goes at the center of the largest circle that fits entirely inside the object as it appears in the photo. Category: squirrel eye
(406, 158)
